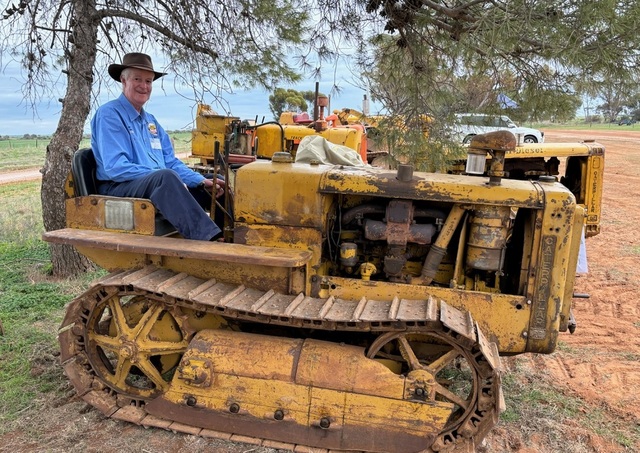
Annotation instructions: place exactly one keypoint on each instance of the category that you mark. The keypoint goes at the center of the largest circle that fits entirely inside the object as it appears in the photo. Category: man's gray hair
(125, 74)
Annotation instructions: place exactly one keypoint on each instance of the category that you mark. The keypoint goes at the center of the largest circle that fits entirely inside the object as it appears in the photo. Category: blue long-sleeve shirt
(128, 145)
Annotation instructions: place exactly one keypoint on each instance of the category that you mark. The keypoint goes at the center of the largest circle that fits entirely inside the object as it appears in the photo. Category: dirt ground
(599, 365)
(600, 362)
(18, 176)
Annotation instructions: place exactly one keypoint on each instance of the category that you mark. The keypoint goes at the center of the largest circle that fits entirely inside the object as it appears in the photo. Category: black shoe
(218, 237)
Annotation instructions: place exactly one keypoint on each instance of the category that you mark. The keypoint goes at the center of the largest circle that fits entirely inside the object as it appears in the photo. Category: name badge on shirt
(155, 141)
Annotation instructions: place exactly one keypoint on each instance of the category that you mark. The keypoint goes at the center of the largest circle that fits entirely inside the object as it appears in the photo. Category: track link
(176, 291)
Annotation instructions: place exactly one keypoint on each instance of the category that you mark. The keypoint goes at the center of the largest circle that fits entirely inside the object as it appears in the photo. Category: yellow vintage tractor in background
(244, 141)
(349, 308)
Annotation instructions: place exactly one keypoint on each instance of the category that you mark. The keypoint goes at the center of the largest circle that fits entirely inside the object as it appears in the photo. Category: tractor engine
(393, 242)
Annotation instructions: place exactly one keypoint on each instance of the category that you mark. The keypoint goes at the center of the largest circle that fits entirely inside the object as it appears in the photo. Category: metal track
(237, 302)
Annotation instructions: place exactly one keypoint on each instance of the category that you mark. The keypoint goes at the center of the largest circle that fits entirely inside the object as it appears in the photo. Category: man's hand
(219, 186)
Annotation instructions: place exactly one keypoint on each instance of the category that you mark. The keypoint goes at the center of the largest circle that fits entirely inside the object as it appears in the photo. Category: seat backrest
(83, 169)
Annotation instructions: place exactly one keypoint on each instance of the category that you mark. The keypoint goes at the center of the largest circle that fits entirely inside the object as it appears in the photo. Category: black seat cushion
(83, 168)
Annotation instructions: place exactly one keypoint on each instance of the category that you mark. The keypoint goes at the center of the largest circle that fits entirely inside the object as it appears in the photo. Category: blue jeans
(176, 204)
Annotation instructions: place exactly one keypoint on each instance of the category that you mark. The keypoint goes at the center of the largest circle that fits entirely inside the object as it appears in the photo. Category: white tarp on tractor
(319, 149)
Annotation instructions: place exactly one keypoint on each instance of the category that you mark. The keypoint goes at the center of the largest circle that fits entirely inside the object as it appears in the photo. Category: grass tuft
(21, 213)
(535, 404)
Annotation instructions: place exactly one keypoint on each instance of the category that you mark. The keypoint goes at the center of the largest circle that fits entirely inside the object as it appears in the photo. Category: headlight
(476, 160)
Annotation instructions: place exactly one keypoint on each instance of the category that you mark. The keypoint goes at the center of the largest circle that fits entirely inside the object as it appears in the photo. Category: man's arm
(188, 176)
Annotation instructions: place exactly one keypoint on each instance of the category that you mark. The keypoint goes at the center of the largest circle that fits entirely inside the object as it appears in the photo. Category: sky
(173, 111)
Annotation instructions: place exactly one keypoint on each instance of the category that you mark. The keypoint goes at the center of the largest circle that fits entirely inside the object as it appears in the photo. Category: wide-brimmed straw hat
(134, 60)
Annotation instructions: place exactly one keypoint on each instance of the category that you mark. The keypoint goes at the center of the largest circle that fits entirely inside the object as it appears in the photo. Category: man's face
(136, 86)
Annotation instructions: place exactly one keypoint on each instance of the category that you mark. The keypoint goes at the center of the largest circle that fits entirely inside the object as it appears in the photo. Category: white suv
(470, 124)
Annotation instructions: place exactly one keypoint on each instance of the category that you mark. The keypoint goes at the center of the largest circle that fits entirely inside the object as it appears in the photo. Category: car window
(468, 119)
(492, 121)
(509, 122)
(503, 122)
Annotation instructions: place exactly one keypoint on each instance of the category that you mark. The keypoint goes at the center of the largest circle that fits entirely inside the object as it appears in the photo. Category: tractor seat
(83, 169)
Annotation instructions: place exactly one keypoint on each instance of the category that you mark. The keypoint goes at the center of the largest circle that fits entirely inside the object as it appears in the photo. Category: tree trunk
(66, 139)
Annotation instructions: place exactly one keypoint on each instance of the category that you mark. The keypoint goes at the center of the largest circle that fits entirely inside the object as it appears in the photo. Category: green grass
(564, 347)
(21, 212)
(27, 308)
(18, 154)
(181, 141)
(31, 307)
(581, 125)
(30, 310)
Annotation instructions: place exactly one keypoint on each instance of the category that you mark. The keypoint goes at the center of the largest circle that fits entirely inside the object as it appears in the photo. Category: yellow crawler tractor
(350, 308)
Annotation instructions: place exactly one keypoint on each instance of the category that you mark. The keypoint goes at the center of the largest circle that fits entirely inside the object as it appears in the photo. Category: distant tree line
(32, 137)
(25, 137)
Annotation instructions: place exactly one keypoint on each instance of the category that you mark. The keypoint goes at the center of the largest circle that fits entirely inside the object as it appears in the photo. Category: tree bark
(66, 139)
